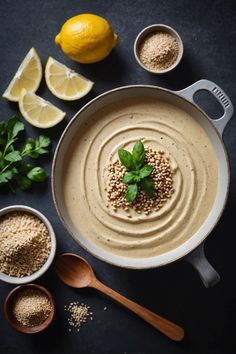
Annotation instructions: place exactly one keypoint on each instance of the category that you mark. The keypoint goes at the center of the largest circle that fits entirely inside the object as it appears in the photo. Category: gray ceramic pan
(193, 249)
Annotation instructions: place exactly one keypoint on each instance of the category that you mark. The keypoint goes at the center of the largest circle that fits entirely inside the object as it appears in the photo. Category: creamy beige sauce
(161, 126)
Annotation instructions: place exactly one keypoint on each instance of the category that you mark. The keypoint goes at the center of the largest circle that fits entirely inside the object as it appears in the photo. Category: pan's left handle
(207, 273)
(219, 94)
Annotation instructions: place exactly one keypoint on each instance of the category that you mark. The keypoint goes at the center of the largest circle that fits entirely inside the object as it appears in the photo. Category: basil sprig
(138, 173)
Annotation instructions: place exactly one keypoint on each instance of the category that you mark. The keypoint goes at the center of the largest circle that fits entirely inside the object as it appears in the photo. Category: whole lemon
(86, 38)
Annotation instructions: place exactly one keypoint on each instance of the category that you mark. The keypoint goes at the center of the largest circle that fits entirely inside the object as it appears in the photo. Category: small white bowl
(30, 278)
(158, 28)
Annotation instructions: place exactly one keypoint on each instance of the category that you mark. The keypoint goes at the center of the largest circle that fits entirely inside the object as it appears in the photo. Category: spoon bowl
(76, 272)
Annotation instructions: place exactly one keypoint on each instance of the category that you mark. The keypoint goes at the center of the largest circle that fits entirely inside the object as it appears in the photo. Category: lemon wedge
(28, 76)
(39, 112)
(65, 83)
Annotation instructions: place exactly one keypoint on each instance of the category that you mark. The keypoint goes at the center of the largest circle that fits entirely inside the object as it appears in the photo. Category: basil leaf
(5, 176)
(138, 154)
(13, 156)
(148, 186)
(145, 171)
(23, 182)
(37, 174)
(129, 177)
(131, 193)
(126, 159)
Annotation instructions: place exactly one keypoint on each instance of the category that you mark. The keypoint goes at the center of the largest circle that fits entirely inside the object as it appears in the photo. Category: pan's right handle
(207, 273)
(219, 94)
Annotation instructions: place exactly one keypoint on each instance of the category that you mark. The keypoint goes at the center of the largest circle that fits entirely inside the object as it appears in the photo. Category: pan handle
(219, 94)
(199, 261)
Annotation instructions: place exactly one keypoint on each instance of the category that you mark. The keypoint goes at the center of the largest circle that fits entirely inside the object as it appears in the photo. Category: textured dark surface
(208, 30)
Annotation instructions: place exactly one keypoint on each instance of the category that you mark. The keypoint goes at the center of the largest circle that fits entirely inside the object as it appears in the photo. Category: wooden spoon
(77, 273)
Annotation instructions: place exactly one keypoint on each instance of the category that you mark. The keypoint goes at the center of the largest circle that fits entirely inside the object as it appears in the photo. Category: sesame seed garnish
(162, 176)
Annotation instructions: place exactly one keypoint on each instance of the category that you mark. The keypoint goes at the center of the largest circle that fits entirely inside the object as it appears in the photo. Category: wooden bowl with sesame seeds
(36, 260)
(25, 314)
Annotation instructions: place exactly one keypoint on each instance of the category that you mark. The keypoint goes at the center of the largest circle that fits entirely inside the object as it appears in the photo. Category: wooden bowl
(13, 321)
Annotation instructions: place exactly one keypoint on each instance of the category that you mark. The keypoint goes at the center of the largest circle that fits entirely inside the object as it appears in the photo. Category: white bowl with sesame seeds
(158, 49)
(28, 244)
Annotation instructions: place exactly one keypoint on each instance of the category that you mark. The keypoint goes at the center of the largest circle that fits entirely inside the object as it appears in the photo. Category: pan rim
(173, 255)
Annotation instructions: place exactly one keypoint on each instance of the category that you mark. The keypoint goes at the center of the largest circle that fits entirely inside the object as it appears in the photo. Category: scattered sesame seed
(79, 314)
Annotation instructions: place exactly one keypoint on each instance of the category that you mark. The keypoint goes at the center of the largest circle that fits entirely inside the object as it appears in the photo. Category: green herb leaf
(126, 159)
(14, 126)
(24, 168)
(2, 161)
(29, 149)
(138, 154)
(131, 193)
(12, 166)
(34, 148)
(5, 177)
(29, 144)
(37, 174)
(129, 177)
(14, 170)
(2, 128)
(13, 156)
(145, 171)
(23, 182)
(44, 141)
(148, 186)
(3, 141)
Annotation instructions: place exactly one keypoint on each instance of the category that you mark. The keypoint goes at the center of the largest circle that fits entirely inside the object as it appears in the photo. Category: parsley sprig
(13, 168)
(138, 172)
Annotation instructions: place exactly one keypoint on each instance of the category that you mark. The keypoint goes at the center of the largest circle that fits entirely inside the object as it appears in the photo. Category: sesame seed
(78, 314)
(25, 244)
(162, 176)
(31, 307)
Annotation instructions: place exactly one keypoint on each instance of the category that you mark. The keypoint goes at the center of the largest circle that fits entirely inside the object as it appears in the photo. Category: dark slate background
(208, 30)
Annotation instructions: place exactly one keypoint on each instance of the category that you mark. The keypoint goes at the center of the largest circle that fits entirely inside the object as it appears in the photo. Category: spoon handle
(168, 328)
